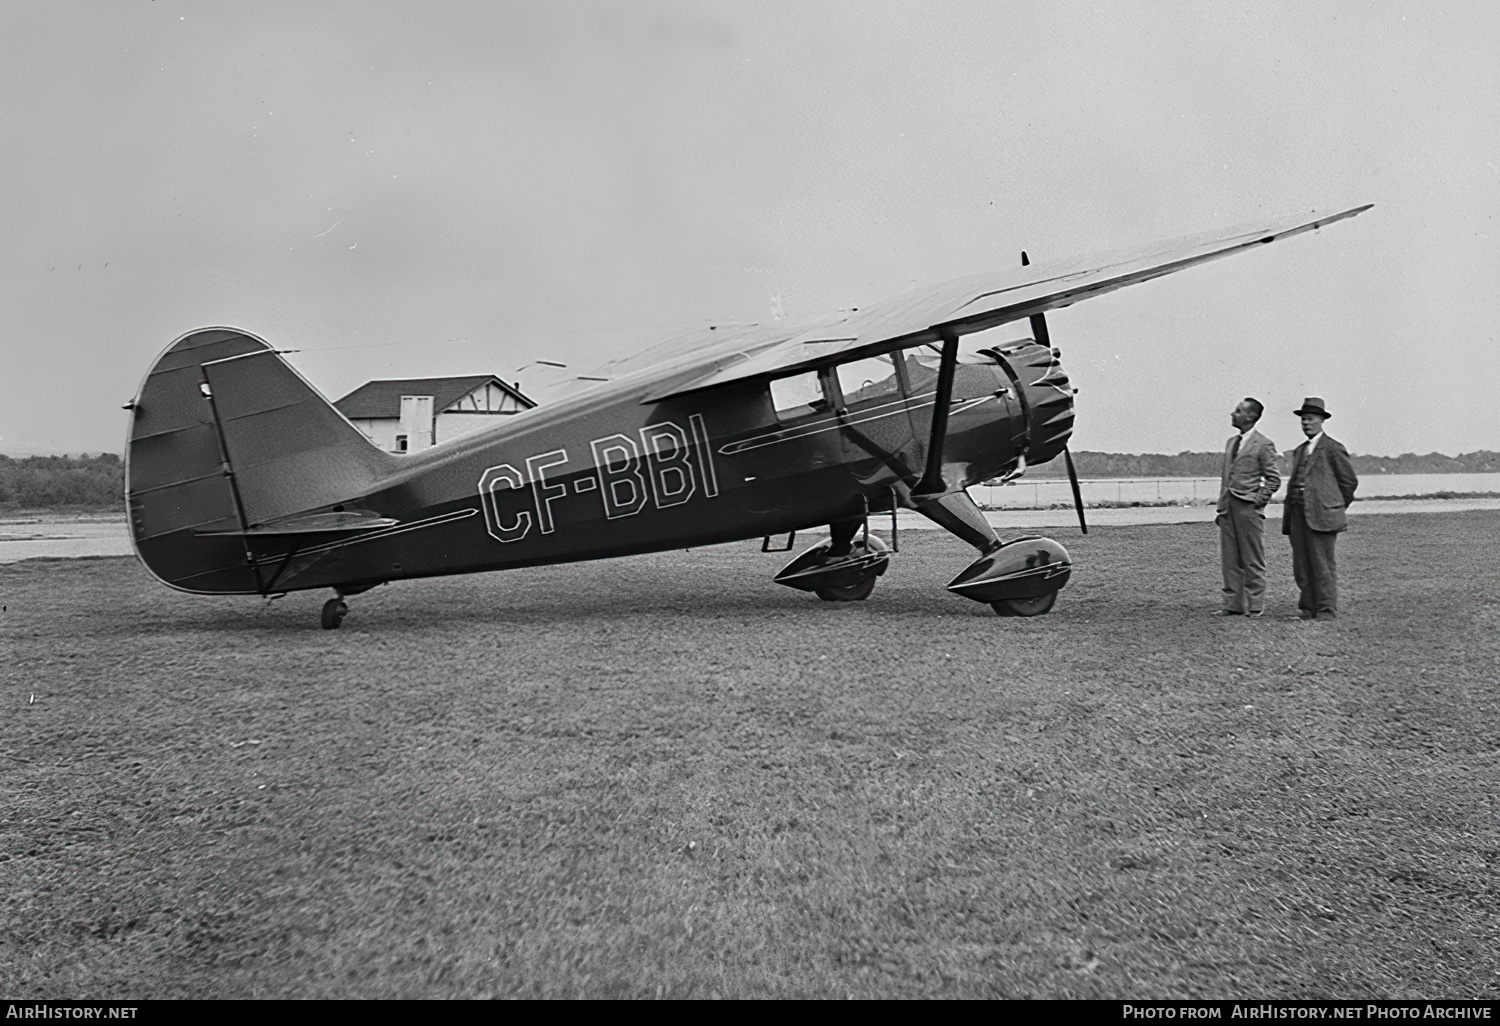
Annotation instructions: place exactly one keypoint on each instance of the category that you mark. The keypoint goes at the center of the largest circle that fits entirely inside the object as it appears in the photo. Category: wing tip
(1342, 214)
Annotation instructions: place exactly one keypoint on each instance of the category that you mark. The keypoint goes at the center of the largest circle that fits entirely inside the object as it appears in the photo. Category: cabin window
(797, 396)
(976, 374)
(400, 443)
(870, 378)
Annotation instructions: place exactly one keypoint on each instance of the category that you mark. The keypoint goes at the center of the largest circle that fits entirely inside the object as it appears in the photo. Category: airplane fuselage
(606, 475)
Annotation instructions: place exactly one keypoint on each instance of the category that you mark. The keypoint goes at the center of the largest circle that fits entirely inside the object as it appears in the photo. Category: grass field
(666, 776)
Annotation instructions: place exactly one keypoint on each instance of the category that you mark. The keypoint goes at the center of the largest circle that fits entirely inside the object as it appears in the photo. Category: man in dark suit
(1246, 483)
(1321, 486)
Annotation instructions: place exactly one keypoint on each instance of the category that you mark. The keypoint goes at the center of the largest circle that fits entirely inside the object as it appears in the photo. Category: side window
(975, 375)
(797, 396)
(870, 378)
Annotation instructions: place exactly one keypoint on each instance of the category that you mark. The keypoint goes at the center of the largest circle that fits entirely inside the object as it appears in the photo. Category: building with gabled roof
(409, 414)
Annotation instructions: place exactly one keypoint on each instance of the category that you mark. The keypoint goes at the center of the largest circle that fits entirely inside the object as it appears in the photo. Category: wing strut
(932, 480)
(950, 509)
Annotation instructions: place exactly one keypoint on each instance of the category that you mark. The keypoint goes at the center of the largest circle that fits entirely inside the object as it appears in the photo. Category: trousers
(1242, 552)
(1313, 566)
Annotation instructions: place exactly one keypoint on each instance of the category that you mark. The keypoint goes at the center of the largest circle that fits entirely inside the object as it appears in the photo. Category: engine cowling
(1046, 396)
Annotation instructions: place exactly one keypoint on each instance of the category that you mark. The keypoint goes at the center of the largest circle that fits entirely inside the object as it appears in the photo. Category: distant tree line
(1207, 464)
(98, 482)
(63, 482)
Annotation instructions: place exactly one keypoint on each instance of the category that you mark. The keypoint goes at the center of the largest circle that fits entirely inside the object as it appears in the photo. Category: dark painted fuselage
(604, 474)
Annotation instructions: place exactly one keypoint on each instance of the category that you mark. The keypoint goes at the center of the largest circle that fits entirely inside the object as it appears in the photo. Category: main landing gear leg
(956, 513)
(841, 537)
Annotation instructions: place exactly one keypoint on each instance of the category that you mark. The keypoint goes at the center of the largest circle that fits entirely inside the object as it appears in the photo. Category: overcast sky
(424, 188)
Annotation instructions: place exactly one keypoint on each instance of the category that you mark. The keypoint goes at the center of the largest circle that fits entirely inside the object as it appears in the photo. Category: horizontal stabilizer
(346, 523)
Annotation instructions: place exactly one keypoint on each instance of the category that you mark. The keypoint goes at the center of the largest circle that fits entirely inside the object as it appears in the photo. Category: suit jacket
(1252, 475)
(1330, 486)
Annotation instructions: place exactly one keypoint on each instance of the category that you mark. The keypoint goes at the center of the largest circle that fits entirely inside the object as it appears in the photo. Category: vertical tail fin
(226, 436)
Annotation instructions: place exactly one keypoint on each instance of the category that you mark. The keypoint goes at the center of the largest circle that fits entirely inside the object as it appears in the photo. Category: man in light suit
(1320, 488)
(1246, 484)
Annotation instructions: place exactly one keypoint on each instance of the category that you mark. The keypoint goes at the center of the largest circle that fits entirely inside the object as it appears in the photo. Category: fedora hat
(1313, 404)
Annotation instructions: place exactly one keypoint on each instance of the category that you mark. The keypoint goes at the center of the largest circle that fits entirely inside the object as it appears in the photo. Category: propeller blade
(1077, 492)
(1044, 337)
(1039, 330)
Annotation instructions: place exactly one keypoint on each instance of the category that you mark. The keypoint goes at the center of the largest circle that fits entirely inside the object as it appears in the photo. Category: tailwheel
(333, 613)
(1025, 607)
(849, 593)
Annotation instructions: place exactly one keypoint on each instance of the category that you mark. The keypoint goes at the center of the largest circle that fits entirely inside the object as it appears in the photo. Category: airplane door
(876, 427)
(794, 449)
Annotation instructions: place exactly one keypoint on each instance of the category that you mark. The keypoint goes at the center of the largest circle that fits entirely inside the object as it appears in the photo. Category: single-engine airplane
(241, 479)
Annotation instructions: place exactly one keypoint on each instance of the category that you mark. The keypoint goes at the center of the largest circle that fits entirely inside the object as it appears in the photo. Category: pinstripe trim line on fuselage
(833, 423)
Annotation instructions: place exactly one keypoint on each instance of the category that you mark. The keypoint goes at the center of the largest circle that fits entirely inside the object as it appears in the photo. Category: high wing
(976, 303)
(684, 356)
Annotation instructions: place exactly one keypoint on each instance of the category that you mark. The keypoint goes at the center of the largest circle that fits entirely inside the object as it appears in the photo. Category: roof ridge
(380, 397)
